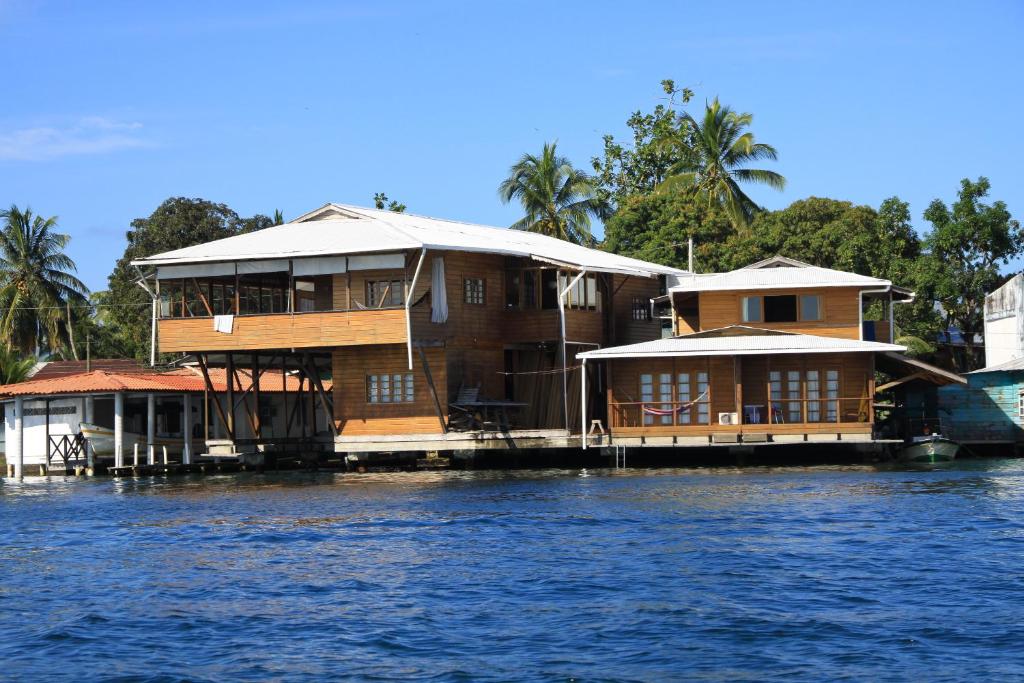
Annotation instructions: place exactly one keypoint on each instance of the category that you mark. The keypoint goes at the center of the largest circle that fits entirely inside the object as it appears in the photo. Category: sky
(112, 107)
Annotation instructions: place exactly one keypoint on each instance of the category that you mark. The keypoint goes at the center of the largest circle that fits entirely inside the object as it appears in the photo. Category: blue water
(757, 574)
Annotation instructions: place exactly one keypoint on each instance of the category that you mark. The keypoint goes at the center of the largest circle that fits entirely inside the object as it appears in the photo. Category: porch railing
(686, 414)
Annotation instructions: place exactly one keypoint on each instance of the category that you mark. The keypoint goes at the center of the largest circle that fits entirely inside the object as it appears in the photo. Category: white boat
(102, 441)
(929, 449)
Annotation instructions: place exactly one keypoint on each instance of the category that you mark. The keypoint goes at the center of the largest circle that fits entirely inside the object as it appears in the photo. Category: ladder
(620, 457)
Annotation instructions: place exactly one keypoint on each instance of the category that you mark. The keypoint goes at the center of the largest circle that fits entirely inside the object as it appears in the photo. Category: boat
(929, 449)
(102, 441)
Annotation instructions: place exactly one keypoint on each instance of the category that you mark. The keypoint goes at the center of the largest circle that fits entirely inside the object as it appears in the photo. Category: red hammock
(671, 411)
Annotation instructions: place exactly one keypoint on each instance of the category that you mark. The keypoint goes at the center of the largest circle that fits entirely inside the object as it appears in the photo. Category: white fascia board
(681, 289)
(597, 355)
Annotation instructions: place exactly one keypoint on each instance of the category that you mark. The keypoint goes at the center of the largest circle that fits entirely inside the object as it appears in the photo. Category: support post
(561, 321)
(257, 424)
(119, 429)
(408, 305)
(583, 403)
(16, 450)
(229, 375)
(88, 412)
(186, 429)
(150, 429)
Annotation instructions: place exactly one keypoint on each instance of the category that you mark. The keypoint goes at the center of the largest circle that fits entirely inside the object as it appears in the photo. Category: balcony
(284, 331)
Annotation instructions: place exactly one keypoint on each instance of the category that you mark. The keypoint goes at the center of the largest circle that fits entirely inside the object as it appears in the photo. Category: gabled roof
(777, 272)
(341, 229)
(738, 340)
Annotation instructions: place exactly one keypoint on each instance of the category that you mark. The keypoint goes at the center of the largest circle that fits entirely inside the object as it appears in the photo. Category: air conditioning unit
(728, 419)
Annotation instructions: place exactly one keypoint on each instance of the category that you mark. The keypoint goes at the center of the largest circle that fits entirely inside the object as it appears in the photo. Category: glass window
(684, 397)
(794, 413)
(665, 394)
(474, 289)
(813, 394)
(530, 289)
(646, 396)
(384, 293)
(832, 393)
(393, 388)
(810, 307)
(512, 282)
(704, 407)
(641, 311)
(752, 309)
(780, 309)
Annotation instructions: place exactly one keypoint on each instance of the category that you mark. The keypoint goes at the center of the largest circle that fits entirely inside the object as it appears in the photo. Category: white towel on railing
(223, 323)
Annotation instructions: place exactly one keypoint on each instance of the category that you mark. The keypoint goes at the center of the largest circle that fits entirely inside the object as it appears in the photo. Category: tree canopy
(559, 200)
(177, 223)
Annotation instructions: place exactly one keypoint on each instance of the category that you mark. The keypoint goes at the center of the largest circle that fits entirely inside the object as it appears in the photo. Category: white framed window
(390, 388)
(646, 395)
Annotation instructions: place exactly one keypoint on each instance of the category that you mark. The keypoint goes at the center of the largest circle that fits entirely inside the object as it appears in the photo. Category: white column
(186, 429)
(583, 402)
(16, 450)
(119, 429)
(88, 413)
(150, 429)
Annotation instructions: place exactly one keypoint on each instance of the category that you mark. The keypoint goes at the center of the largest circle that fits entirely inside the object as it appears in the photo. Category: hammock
(671, 411)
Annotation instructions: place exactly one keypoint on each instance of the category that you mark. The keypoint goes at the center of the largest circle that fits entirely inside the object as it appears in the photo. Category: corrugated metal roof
(776, 273)
(355, 230)
(180, 381)
(739, 341)
(1008, 366)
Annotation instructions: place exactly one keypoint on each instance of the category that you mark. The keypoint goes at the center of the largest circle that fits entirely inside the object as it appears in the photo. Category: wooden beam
(202, 297)
(211, 390)
(433, 390)
(327, 404)
(256, 378)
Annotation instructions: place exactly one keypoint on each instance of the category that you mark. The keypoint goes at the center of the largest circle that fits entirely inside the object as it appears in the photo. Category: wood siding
(283, 331)
(626, 329)
(354, 415)
(841, 314)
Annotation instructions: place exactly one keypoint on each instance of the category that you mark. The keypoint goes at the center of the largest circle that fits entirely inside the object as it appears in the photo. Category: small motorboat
(102, 441)
(929, 449)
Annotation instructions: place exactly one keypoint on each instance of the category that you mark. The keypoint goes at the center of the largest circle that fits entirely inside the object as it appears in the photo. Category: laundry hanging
(438, 293)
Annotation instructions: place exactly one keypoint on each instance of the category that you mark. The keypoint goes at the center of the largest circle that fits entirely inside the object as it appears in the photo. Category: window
(396, 388)
(384, 293)
(780, 309)
(513, 279)
(751, 309)
(647, 395)
(1020, 405)
(641, 311)
(665, 394)
(693, 387)
(810, 307)
(474, 290)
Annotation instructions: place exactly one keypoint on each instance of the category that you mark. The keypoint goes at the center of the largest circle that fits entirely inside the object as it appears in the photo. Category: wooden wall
(355, 416)
(627, 330)
(283, 331)
(841, 311)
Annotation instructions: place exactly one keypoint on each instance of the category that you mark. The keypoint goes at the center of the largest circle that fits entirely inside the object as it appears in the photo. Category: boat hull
(930, 451)
(102, 441)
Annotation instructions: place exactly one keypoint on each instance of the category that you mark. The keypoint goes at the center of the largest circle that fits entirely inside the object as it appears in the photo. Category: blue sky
(112, 107)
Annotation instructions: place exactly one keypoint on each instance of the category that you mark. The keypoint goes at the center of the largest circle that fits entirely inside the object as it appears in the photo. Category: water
(807, 574)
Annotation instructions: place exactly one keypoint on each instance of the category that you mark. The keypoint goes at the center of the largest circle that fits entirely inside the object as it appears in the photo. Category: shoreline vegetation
(682, 176)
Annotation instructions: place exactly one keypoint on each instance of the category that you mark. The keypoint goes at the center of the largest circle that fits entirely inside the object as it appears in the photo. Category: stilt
(16, 450)
(119, 429)
(150, 429)
(186, 429)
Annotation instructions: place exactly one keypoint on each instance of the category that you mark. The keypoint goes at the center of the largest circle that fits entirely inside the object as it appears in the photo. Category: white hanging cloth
(223, 323)
(438, 294)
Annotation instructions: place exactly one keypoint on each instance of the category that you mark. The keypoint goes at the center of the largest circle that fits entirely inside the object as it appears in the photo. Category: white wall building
(1004, 322)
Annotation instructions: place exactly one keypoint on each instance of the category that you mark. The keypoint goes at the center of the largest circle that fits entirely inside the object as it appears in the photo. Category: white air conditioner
(728, 419)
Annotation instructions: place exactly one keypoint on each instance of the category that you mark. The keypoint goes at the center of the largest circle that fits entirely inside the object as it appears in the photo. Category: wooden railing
(285, 330)
(686, 414)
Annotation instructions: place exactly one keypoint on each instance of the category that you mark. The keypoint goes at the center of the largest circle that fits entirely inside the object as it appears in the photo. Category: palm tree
(713, 164)
(37, 286)
(559, 200)
(13, 368)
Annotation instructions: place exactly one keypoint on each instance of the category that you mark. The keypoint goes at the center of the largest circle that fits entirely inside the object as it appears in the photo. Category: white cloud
(89, 135)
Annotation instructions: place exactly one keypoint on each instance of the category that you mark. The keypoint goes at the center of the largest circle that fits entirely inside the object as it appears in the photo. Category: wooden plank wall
(356, 416)
(984, 410)
(283, 331)
(627, 330)
(840, 304)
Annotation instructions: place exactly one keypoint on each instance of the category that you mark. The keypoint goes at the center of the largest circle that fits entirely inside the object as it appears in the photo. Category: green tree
(14, 368)
(381, 201)
(965, 248)
(177, 223)
(559, 200)
(660, 138)
(37, 282)
(656, 227)
(717, 150)
(278, 218)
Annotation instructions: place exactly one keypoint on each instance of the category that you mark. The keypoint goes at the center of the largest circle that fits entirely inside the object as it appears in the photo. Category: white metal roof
(777, 272)
(340, 229)
(738, 340)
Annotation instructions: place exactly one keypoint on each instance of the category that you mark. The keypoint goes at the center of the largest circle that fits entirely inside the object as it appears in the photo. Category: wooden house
(779, 351)
(438, 335)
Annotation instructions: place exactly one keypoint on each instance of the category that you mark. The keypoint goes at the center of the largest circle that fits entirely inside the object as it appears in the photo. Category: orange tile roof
(176, 381)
